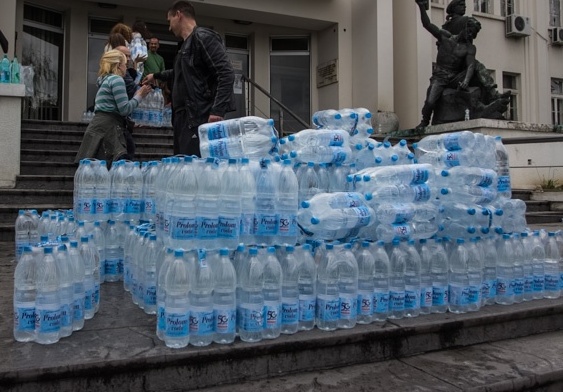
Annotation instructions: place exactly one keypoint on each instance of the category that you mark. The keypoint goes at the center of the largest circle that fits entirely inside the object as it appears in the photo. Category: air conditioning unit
(557, 36)
(518, 26)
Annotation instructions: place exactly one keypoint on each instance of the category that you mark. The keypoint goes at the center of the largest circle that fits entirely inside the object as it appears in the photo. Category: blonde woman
(104, 138)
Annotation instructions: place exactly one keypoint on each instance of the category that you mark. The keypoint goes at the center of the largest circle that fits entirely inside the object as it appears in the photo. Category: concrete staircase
(540, 210)
(47, 171)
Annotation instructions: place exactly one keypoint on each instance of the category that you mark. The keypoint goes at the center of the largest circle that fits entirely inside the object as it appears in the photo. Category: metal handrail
(281, 105)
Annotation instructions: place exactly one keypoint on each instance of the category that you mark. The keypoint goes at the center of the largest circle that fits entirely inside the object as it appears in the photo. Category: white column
(10, 129)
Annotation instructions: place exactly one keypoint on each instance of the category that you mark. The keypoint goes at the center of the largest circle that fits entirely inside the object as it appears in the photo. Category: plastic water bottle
(347, 286)
(161, 293)
(412, 279)
(519, 260)
(323, 154)
(463, 140)
(272, 290)
(397, 270)
(336, 119)
(527, 266)
(247, 202)
(290, 291)
(399, 193)
(201, 303)
(78, 276)
(458, 279)
(224, 300)
(22, 233)
(308, 183)
(177, 310)
(469, 194)
(306, 286)
(404, 212)
(91, 262)
(47, 301)
(113, 253)
(102, 191)
(207, 201)
(25, 291)
(474, 275)
(403, 174)
(266, 224)
(328, 301)
(381, 282)
(366, 279)
(503, 170)
(338, 176)
(505, 271)
(66, 290)
(181, 210)
(414, 230)
(149, 192)
(5, 76)
(426, 255)
(439, 269)
(230, 207)
(287, 205)
(448, 159)
(468, 175)
(252, 298)
(149, 277)
(86, 191)
(319, 137)
(551, 268)
(489, 289)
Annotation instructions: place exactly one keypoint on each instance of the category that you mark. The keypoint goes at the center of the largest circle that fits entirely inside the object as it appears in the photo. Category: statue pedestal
(451, 106)
(10, 123)
(530, 163)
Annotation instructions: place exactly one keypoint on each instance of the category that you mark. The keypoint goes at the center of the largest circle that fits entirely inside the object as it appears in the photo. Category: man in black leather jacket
(202, 89)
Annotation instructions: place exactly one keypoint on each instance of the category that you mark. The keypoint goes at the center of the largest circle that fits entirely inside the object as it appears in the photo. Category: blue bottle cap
(315, 221)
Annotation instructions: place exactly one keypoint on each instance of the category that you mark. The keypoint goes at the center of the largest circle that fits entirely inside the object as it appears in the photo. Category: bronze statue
(456, 68)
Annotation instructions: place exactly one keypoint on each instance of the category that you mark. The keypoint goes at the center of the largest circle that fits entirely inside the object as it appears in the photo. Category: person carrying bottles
(202, 76)
(104, 138)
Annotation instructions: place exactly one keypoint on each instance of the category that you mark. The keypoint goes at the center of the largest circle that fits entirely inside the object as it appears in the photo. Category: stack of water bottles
(56, 288)
(150, 112)
(252, 137)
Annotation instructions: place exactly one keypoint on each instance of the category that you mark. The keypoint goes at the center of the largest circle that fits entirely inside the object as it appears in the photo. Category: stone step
(537, 206)
(67, 156)
(73, 145)
(544, 217)
(45, 182)
(54, 125)
(18, 197)
(34, 136)
(47, 168)
(522, 194)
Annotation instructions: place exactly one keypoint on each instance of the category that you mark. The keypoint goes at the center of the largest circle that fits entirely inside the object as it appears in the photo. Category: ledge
(12, 90)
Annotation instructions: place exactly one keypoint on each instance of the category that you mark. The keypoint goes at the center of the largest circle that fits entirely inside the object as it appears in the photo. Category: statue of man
(455, 61)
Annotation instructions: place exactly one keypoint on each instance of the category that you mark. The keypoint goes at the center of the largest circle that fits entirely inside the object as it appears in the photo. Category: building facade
(310, 55)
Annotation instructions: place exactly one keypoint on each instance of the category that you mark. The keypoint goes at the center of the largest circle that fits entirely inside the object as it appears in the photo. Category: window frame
(557, 102)
(512, 112)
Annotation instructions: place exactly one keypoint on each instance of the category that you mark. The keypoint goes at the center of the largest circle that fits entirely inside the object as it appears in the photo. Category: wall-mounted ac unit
(557, 36)
(518, 26)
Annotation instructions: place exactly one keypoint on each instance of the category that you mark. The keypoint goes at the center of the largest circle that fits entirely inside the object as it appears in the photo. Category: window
(557, 101)
(484, 6)
(510, 83)
(555, 13)
(507, 7)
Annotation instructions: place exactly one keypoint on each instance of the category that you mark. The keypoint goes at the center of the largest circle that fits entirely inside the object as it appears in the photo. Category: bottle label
(419, 176)
(150, 295)
(207, 228)
(78, 308)
(86, 206)
(177, 324)
(365, 303)
(148, 207)
(161, 317)
(247, 224)
(112, 266)
(528, 283)
(339, 157)
(503, 184)
(451, 159)
(412, 298)
(48, 320)
(328, 309)
(88, 296)
(539, 283)
(216, 131)
(96, 294)
(439, 295)
(336, 140)
(133, 206)
(421, 193)
(24, 319)
(458, 295)
(218, 149)
(551, 282)
(561, 281)
(290, 313)
(252, 318)
(451, 142)
(271, 315)
(396, 301)
(488, 289)
(117, 206)
(183, 228)
(380, 302)
(518, 286)
(66, 315)
(505, 287)
(225, 320)
(426, 297)
(266, 224)
(486, 180)
(307, 307)
(363, 216)
(287, 225)
(474, 294)
(229, 227)
(401, 231)
(202, 323)
(348, 307)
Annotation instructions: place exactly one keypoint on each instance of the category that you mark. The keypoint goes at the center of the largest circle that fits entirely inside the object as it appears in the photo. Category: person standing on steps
(104, 138)
(155, 62)
(202, 89)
